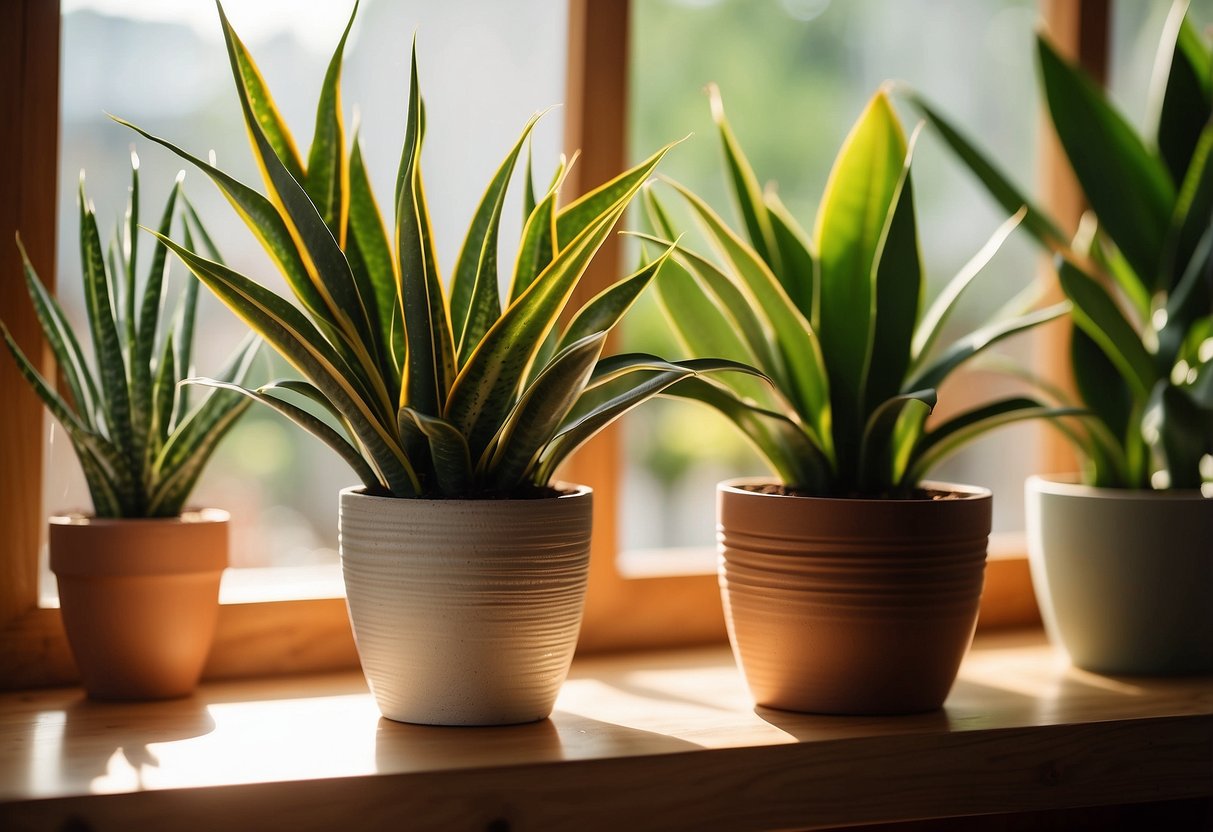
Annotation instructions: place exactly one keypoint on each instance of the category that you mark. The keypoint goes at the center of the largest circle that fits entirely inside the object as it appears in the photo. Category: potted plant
(1120, 554)
(139, 577)
(465, 564)
(850, 583)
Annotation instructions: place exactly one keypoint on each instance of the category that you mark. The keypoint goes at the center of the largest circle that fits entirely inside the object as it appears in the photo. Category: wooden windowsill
(642, 740)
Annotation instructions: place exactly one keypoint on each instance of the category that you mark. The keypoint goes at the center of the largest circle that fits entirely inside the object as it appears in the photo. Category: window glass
(485, 68)
(794, 75)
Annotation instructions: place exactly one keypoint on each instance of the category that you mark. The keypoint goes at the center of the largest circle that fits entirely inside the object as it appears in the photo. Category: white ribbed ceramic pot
(465, 612)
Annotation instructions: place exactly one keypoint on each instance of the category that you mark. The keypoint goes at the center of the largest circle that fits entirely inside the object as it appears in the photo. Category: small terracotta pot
(850, 606)
(465, 612)
(1124, 577)
(139, 599)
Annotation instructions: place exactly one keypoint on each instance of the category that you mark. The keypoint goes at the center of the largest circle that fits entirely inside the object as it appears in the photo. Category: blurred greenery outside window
(794, 75)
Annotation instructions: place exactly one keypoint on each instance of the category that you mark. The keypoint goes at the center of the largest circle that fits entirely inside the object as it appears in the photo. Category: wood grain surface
(647, 741)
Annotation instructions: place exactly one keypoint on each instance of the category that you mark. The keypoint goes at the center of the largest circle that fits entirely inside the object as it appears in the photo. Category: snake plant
(835, 321)
(1140, 271)
(140, 443)
(429, 392)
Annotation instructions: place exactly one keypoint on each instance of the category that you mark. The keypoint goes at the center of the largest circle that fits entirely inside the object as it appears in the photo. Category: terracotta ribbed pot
(1124, 577)
(465, 612)
(847, 606)
(139, 599)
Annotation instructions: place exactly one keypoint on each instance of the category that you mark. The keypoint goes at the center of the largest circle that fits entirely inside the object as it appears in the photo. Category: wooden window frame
(313, 635)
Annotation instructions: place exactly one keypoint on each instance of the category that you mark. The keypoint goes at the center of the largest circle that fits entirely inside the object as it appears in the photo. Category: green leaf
(187, 310)
(1099, 383)
(1000, 187)
(732, 296)
(793, 338)
(575, 434)
(164, 389)
(297, 340)
(515, 450)
(188, 448)
(1097, 314)
(325, 263)
(1189, 226)
(538, 244)
(1189, 300)
(448, 450)
(798, 271)
(483, 392)
(794, 457)
(602, 312)
(1109, 161)
(1197, 354)
(937, 445)
(1179, 433)
(174, 489)
(430, 351)
(528, 189)
(937, 315)
(369, 236)
(130, 250)
(144, 402)
(747, 193)
(613, 367)
(267, 225)
(897, 296)
(879, 451)
(475, 297)
(305, 420)
(106, 469)
(705, 327)
(1114, 264)
(1184, 108)
(859, 196)
(575, 218)
(327, 180)
(62, 340)
(249, 80)
(107, 347)
(961, 350)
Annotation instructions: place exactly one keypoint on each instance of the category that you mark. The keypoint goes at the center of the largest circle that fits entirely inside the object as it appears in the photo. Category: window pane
(485, 68)
(794, 75)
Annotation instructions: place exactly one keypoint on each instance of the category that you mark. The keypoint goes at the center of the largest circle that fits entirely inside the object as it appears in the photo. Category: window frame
(278, 637)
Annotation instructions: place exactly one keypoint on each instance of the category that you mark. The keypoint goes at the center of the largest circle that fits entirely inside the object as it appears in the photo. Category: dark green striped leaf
(1109, 161)
(430, 352)
(515, 450)
(327, 181)
(248, 78)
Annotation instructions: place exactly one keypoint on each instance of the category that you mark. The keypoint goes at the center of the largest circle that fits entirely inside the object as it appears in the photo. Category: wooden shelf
(638, 741)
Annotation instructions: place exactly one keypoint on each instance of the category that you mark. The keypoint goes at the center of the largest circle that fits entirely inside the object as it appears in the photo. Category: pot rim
(966, 492)
(189, 516)
(570, 491)
(1070, 485)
